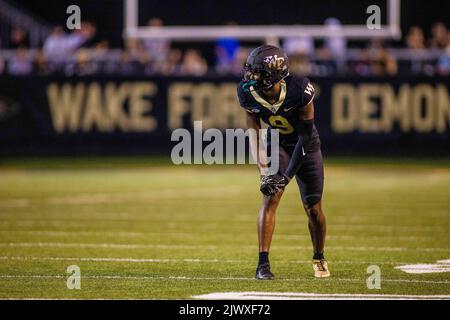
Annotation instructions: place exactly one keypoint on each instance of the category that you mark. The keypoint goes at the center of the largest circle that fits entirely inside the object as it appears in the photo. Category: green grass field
(140, 228)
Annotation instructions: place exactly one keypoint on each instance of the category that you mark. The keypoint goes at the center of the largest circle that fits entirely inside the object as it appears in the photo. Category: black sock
(263, 258)
(318, 256)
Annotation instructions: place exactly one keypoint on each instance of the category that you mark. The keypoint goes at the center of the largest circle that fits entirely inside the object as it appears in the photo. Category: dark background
(246, 12)
(27, 127)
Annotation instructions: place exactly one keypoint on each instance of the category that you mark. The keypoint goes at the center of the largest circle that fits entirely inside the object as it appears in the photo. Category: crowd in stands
(79, 53)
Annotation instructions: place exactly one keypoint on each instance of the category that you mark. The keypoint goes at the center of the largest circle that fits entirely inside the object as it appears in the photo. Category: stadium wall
(123, 115)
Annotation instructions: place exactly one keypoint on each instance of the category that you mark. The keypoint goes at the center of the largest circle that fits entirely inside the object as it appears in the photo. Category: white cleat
(320, 268)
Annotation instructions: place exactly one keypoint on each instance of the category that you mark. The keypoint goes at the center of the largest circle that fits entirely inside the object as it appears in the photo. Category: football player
(269, 94)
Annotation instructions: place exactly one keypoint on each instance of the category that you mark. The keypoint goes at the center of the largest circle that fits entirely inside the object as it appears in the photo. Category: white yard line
(424, 268)
(439, 267)
(193, 260)
(444, 261)
(8, 276)
(190, 260)
(177, 246)
(313, 296)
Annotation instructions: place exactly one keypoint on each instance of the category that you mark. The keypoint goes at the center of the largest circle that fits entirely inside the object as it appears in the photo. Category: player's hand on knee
(266, 186)
(273, 184)
(268, 190)
(279, 181)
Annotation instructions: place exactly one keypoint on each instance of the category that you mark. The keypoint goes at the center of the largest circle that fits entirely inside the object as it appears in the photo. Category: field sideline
(140, 228)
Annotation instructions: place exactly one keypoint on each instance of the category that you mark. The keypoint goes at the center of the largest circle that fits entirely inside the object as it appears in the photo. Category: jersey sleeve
(306, 91)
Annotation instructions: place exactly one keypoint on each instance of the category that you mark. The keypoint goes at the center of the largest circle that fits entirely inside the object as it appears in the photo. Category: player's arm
(254, 123)
(259, 153)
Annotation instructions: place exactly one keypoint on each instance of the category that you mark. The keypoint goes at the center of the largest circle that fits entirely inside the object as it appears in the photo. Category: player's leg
(266, 225)
(266, 220)
(317, 226)
(310, 179)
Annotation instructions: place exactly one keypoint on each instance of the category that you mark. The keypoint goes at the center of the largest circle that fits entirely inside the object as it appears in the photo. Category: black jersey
(296, 93)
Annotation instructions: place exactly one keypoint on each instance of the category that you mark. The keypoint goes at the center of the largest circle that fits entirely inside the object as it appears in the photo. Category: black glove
(273, 184)
(279, 181)
(265, 187)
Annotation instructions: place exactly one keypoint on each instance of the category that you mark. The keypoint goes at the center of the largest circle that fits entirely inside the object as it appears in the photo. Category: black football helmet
(265, 66)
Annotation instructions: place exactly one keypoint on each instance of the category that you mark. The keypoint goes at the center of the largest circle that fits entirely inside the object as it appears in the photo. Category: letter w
(65, 106)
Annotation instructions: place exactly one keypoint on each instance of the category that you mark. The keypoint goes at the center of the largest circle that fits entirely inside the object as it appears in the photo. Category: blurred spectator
(238, 63)
(102, 45)
(298, 46)
(59, 44)
(193, 64)
(20, 63)
(336, 45)
(375, 45)
(2, 65)
(55, 46)
(18, 38)
(331, 57)
(443, 64)
(133, 60)
(384, 63)
(158, 48)
(126, 64)
(80, 53)
(88, 32)
(415, 38)
(299, 50)
(41, 66)
(362, 65)
(82, 66)
(136, 50)
(226, 49)
(100, 54)
(299, 64)
(438, 36)
(170, 66)
(135, 56)
(326, 64)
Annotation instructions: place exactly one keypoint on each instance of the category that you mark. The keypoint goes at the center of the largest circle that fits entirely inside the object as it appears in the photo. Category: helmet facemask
(262, 79)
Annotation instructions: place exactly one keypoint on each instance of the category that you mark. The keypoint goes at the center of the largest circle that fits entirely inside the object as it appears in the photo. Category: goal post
(258, 32)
